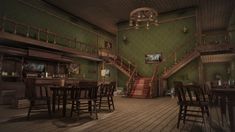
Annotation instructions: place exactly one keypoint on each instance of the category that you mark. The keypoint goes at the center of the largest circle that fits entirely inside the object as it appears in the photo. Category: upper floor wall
(42, 15)
(166, 38)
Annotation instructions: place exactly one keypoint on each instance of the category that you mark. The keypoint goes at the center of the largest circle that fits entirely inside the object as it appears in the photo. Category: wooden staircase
(141, 88)
(137, 86)
(181, 63)
(208, 49)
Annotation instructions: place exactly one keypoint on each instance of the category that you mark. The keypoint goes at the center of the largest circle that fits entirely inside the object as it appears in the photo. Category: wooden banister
(50, 37)
(130, 82)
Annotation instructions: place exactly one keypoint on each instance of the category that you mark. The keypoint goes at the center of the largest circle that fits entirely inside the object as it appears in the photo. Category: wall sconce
(124, 39)
(185, 30)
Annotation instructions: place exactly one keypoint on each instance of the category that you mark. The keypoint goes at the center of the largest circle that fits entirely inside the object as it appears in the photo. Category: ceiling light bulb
(139, 15)
(147, 25)
(136, 25)
(156, 23)
(131, 23)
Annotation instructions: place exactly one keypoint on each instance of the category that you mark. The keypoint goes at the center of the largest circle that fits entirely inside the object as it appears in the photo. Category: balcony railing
(45, 35)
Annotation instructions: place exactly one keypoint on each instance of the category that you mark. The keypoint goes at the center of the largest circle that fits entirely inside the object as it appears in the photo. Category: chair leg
(90, 107)
(185, 113)
(179, 116)
(72, 109)
(112, 102)
(30, 108)
(100, 103)
(78, 108)
(95, 110)
(49, 107)
(109, 103)
(202, 109)
(58, 105)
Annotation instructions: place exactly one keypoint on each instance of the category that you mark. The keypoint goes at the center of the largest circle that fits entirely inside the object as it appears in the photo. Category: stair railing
(36, 33)
(153, 82)
(176, 55)
(130, 82)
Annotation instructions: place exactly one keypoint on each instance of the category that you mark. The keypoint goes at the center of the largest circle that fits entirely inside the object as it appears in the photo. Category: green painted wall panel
(188, 74)
(41, 15)
(164, 38)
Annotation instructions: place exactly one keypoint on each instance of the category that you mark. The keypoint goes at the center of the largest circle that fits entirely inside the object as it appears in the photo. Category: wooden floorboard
(131, 115)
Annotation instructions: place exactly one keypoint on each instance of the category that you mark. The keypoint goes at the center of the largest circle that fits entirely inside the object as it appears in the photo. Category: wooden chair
(105, 96)
(38, 95)
(85, 99)
(190, 96)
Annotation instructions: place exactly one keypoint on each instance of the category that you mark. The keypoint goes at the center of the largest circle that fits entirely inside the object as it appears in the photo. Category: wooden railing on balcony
(45, 35)
(176, 55)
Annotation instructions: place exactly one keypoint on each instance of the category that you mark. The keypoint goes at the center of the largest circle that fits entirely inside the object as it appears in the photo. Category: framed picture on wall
(74, 68)
(153, 58)
(107, 45)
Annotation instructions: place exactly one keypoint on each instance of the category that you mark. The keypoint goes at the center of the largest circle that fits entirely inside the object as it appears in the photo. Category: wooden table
(230, 94)
(64, 90)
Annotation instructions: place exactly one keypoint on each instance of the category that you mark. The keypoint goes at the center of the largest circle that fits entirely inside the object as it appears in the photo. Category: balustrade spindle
(47, 35)
(38, 34)
(54, 41)
(121, 61)
(15, 25)
(27, 34)
(75, 43)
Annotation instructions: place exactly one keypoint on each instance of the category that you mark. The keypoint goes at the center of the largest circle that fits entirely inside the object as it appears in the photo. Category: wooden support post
(1, 66)
(199, 25)
(175, 57)
(201, 72)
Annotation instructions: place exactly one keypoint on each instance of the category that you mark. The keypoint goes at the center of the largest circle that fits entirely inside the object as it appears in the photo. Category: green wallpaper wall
(232, 27)
(189, 74)
(212, 69)
(39, 14)
(164, 38)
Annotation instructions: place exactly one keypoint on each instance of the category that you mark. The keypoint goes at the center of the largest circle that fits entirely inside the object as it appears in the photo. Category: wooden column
(199, 25)
(201, 77)
(1, 64)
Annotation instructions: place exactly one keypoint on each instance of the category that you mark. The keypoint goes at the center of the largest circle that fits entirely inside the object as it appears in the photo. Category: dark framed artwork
(153, 58)
(108, 45)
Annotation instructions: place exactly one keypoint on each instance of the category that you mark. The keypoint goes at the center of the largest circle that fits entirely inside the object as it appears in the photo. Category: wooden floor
(131, 115)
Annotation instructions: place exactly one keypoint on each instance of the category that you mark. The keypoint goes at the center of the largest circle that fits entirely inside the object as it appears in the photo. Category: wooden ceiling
(107, 13)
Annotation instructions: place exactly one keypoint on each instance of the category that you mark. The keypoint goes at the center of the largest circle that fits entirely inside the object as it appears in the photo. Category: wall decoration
(153, 58)
(107, 45)
(74, 68)
(105, 72)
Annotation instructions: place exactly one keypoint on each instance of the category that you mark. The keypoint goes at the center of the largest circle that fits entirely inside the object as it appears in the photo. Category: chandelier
(143, 15)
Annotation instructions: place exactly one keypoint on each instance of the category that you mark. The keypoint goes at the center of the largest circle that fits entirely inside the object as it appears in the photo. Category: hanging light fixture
(143, 15)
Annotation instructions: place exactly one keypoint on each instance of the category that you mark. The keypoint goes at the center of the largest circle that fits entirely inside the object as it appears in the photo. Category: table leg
(64, 102)
(53, 100)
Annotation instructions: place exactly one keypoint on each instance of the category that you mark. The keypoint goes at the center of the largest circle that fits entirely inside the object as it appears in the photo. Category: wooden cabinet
(11, 69)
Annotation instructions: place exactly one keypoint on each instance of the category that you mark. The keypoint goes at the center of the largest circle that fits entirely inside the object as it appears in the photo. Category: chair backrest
(179, 91)
(189, 93)
(34, 89)
(86, 90)
(107, 89)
